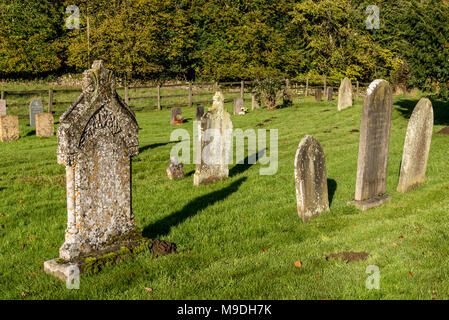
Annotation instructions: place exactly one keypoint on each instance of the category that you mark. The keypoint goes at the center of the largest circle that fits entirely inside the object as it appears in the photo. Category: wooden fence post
(190, 94)
(159, 97)
(127, 94)
(50, 100)
(3, 95)
(325, 85)
(357, 92)
(242, 89)
(307, 87)
(216, 86)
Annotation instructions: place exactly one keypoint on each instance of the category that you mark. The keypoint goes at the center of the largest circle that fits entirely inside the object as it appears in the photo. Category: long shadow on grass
(154, 145)
(242, 167)
(440, 109)
(331, 187)
(163, 226)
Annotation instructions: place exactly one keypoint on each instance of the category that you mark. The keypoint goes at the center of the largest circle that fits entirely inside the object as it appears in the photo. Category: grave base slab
(370, 203)
(59, 270)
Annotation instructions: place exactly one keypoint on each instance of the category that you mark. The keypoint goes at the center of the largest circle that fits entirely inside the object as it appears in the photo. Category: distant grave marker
(345, 94)
(2, 107)
(36, 107)
(45, 126)
(9, 128)
(318, 95)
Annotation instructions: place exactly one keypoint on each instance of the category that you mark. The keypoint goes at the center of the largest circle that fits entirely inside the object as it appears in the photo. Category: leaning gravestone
(175, 170)
(199, 113)
(238, 106)
(345, 94)
(318, 95)
(214, 144)
(255, 103)
(97, 137)
(310, 179)
(2, 107)
(329, 94)
(45, 125)
(9, 128)
(416, 146)
(373, 147)
(176, 116)
(36, 107)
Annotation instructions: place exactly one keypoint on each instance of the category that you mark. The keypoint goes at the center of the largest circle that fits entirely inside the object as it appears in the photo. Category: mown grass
(222, 229)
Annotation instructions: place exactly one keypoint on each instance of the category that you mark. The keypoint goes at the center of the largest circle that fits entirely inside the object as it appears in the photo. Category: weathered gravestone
(255, 101)
(176, 116)
(329, 94)
(199, 113)
(36, 107)
(45, 125)
(373, 147)
(97, 137)
(175, 170)
(2, 107)
(214, 144)
(345, 94)
(416, 146)
(318, 95)
(238, 106)
(310, 179)
(9, 128)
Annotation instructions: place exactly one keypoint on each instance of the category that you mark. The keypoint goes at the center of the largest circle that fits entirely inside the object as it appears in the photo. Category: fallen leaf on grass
(20, 201)
(394, 244)
(317, 276)
(298, 264)
(264, 249)
(410, 273)
(23, 245)
(31, 239)
(24, 294)
(149, 289)
(401, 237)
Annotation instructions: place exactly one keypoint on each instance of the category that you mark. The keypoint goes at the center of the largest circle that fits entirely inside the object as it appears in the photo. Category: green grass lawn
(221, 230)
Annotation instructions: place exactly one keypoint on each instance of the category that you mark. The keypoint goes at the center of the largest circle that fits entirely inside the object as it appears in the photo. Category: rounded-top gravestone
(36, 107)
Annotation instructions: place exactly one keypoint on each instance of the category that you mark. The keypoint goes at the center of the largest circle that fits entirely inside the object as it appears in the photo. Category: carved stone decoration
(214, 144)
(97, 137)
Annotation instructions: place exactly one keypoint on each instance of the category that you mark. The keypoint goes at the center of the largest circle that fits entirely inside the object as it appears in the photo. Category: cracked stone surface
(310, 179)
(9, 128)
(45, 126)
(97, 137)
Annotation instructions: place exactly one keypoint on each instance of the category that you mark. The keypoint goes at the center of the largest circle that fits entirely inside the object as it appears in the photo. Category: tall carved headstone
(310, 179)
(214, 144)
(416, 146)
(97, 137)
(318, 95)
(176, 116)
(345, 94)
(2, 107)
(373, 147)
(329, 94)
(199, 113)
(36, 107)
(9, 128)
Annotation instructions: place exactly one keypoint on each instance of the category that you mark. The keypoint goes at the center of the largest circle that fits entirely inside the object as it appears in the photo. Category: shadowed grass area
(222, 229)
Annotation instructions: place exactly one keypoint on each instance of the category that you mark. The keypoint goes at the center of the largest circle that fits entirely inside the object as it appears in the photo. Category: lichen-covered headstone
(310, 179)
(36, 107)
(45, 125)
(176, 116)
(214, 144)
(238, 106)
(416, 146)
(199, 113)
(373, 147)
(175, 170)
(97, 137)
(329, 94)
(2, 107)
(318, 95)
(345, 94)
(9, 128)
